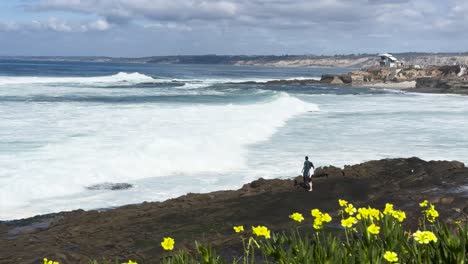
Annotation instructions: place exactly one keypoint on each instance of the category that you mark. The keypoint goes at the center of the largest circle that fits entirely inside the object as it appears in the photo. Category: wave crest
(120, 77)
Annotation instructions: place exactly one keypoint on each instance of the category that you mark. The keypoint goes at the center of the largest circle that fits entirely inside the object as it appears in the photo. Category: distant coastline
(345, 61)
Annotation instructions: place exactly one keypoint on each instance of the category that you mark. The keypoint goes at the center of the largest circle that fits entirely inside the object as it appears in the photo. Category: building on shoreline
(388, 60)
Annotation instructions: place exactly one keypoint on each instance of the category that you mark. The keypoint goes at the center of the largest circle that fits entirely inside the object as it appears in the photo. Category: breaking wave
(102, 143)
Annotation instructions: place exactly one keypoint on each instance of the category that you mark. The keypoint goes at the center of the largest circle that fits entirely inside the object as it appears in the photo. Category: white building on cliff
(388, 60)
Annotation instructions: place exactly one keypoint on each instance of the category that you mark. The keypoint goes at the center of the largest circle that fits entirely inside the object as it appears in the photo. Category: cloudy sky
(171, 27)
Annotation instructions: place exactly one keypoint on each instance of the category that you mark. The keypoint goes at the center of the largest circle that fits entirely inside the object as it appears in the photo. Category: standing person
(306, 173)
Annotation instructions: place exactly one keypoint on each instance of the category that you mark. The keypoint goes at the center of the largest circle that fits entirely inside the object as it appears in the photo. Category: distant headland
(340, 60)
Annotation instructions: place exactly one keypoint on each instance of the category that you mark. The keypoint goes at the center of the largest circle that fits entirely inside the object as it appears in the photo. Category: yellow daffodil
(431, 213)
(342, 203)
(318, 224)
(373, 229)
(238, 229)
(375, 213)
(315, 212)
(297, 217)
(423, 203)
(363, 213)
(261, 231)
(46, 261)
(325, 218)
(399, 215)
(458, 222)
(424, 237)
(320, 218)
(168, 243)
(348, 222)
(130, 262)
(388, 208)
(350, 209)
(368, 213)
(390, 256)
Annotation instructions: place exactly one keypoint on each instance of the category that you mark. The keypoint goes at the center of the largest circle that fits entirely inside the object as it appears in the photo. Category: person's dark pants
(306, 177)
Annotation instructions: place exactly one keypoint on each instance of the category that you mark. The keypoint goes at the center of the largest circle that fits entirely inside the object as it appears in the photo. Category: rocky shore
(432, 79)
(135, 231)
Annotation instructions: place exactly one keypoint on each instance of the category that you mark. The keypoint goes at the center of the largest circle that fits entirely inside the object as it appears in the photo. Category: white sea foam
(116, 78)
(126, 79)
(85, 145)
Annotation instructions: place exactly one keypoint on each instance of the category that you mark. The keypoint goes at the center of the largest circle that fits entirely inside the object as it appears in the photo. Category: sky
(135, 28)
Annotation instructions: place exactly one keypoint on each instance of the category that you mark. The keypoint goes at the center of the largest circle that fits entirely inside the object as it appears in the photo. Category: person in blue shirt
(306, 173)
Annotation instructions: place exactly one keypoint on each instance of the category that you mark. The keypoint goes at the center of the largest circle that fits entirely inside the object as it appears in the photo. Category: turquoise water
(174, 129)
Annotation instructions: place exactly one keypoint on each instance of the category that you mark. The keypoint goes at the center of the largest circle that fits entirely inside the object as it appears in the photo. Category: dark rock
(441, 85)
(433, 79)
(110, 186)
(331, 79)
(330, 171)
(292, 82)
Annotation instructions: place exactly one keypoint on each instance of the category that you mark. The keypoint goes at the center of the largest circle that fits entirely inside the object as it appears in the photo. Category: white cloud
(56, 25)
(249, 25)
(263, 13)
(98, 25)
(168, 26)
(8, 26)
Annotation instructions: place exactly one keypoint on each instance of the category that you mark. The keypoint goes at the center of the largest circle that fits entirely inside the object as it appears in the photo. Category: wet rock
(328, 171)
(292, 82)
(110, 186)
(331, 79)
(432, 79)
(441, 85)
(447, 200)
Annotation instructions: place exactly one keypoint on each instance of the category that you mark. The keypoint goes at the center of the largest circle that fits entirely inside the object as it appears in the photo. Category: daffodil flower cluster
(46, 261)
(397, 214)
(431, 213)
(130, 262)
(261, 231)
(320, 218)
(391, 256)
(424, 237)
(368, 213)
(297, 217)
(168, 243)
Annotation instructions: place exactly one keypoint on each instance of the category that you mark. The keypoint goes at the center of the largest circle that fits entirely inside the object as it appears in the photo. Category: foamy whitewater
(173, 129)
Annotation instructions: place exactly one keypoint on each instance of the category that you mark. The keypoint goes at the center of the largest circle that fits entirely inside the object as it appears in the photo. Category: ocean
(173, 129)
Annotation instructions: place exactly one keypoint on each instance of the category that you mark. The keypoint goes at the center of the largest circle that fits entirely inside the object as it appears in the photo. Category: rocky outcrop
(135, 231)
(433, 79)
(441, 85)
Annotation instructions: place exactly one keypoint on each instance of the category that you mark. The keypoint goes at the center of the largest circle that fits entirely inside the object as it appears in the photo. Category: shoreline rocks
(135, 231)
(433, 79)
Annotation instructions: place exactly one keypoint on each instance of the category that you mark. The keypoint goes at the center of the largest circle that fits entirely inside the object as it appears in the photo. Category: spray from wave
(103, 143)
(130, 79)
(121, 77)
